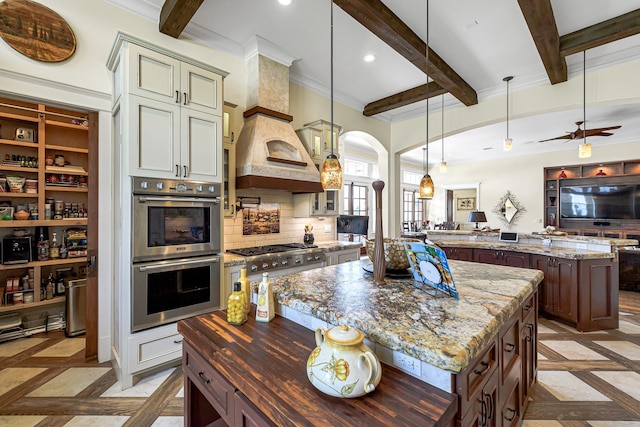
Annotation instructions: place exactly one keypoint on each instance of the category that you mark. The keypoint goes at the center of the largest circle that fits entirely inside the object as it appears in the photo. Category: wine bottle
(54, 250)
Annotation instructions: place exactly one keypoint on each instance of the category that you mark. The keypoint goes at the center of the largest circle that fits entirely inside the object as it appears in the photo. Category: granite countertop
(434, 328)
(535, 236)
(557, 252)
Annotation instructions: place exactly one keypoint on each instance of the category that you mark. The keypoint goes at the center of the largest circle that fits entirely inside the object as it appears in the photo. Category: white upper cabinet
(174, 110)
(158, 76)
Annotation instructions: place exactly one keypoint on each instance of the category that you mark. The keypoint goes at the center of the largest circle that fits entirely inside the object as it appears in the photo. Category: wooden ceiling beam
(542, 25)
(176, 14)
(602, 33)
(401, 99)
(386, 25)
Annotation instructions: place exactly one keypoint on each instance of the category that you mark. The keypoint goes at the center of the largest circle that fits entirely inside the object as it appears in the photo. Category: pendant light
(508, 142)
(426, 183)
(443, 164)
(331, 174)
(584, 150)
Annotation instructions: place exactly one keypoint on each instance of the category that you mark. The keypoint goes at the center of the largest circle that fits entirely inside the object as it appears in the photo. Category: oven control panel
(167, 186)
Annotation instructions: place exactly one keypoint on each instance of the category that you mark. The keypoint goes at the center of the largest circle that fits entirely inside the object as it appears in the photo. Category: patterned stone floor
(584, 379)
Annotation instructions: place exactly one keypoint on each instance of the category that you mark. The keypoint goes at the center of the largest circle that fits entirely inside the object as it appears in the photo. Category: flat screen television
(600, 201)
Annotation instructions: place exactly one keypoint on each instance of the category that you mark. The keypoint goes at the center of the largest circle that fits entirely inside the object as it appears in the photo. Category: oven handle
(176, 264)
(142, 199)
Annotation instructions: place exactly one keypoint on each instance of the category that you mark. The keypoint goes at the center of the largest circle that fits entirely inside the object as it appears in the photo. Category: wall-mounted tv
(601, 200)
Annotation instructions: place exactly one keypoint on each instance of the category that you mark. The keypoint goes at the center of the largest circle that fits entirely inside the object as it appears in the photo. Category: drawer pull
(508, 347)
(512, 412)
(203, 378)
(483, 416)
(527, 307)
(489, 398)
(177, 341)
(485, 367)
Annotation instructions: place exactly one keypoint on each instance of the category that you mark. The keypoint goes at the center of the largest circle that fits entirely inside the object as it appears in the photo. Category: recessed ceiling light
(487, 148)
(285, 2)
(369, 58)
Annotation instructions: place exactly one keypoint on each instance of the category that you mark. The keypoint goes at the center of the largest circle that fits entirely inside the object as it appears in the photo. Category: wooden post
(379, 267)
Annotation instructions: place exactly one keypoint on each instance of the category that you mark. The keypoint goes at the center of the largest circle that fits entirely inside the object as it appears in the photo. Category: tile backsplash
(291, 229)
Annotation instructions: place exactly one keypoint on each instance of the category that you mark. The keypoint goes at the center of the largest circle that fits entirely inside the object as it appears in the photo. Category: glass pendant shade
(443, 167)
(426, 187)
(508, 144)
(584, 151)
(331, 174)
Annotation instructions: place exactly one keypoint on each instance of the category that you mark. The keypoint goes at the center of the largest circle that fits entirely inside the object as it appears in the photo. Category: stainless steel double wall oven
(176, 250)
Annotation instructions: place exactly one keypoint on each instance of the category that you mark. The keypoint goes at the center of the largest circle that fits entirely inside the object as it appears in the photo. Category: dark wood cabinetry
(494, 390)
(459, 254)
(501, 257)
(559, 288)
(252, 375)
(553, 177)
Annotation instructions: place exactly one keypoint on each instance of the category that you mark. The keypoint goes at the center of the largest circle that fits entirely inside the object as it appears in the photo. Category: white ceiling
(483, 41)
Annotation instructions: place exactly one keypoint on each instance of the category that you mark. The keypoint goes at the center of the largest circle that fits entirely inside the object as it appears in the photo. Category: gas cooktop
(280, 257)
(270, 249)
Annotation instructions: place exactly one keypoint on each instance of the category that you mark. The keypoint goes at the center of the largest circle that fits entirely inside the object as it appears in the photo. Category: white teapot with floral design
(342, 365)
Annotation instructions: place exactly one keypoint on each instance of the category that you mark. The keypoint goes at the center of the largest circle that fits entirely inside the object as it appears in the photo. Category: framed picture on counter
(466, 203)
(429, 266)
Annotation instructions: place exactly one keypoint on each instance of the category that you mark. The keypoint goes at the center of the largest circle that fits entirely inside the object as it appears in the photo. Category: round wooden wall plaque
(36, 31)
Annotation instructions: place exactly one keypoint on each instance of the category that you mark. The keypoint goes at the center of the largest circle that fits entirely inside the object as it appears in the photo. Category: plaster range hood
(269, 153)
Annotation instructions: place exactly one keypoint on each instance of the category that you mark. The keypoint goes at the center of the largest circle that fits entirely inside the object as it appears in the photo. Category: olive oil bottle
(265, 310)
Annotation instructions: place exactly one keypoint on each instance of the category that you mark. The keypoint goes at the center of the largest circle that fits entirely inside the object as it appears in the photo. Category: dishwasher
(76, 307)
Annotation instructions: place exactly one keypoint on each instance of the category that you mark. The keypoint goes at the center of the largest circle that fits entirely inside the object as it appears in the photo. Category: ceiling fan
(580, 133)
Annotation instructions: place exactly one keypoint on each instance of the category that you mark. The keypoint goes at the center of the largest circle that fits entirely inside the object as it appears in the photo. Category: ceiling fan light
(427, 189)
(508, 144)
(584, 151)
(443, 167)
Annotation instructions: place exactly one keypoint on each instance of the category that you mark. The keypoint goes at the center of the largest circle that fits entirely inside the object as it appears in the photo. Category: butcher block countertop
(266, 362)
(403, 316)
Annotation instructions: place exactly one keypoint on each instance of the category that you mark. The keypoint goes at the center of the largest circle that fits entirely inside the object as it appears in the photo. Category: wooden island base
(255, 375)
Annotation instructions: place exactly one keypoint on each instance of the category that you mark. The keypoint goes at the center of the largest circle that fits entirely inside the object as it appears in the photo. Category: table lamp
(477, 216)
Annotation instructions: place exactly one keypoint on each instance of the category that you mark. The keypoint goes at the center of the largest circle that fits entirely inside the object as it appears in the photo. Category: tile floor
(584, 379)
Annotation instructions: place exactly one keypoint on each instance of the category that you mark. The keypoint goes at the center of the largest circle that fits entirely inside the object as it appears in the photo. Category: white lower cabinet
(154, 347)
(231, 274)
(339, 257)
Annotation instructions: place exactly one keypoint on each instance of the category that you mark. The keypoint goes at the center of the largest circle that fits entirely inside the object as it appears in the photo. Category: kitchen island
(581, 274)
(482, 346)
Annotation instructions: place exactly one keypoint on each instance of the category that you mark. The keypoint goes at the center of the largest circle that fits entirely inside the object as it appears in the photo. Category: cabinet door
(546, 287)
(566, 289)
(510, 408)
(331, 201)
(200, 146)
(154, 128)
(247, 415)
(528, 336)
(201, 89)
(515, 259)
(229, 179)
(154, 75)
(487, 256)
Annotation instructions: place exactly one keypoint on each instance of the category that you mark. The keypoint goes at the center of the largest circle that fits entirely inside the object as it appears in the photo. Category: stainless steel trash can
(76, 307)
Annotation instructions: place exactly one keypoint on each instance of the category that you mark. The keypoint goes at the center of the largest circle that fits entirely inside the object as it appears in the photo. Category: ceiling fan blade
(607, 128)
(598, 132)
(569, 137)
(604, 134)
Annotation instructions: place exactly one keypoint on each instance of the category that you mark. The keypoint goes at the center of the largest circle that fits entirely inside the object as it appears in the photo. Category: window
(356, 202)
(412, 210)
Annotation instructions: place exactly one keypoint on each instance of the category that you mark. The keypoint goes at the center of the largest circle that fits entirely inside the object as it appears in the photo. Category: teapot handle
(320, 335)
(369, 359)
